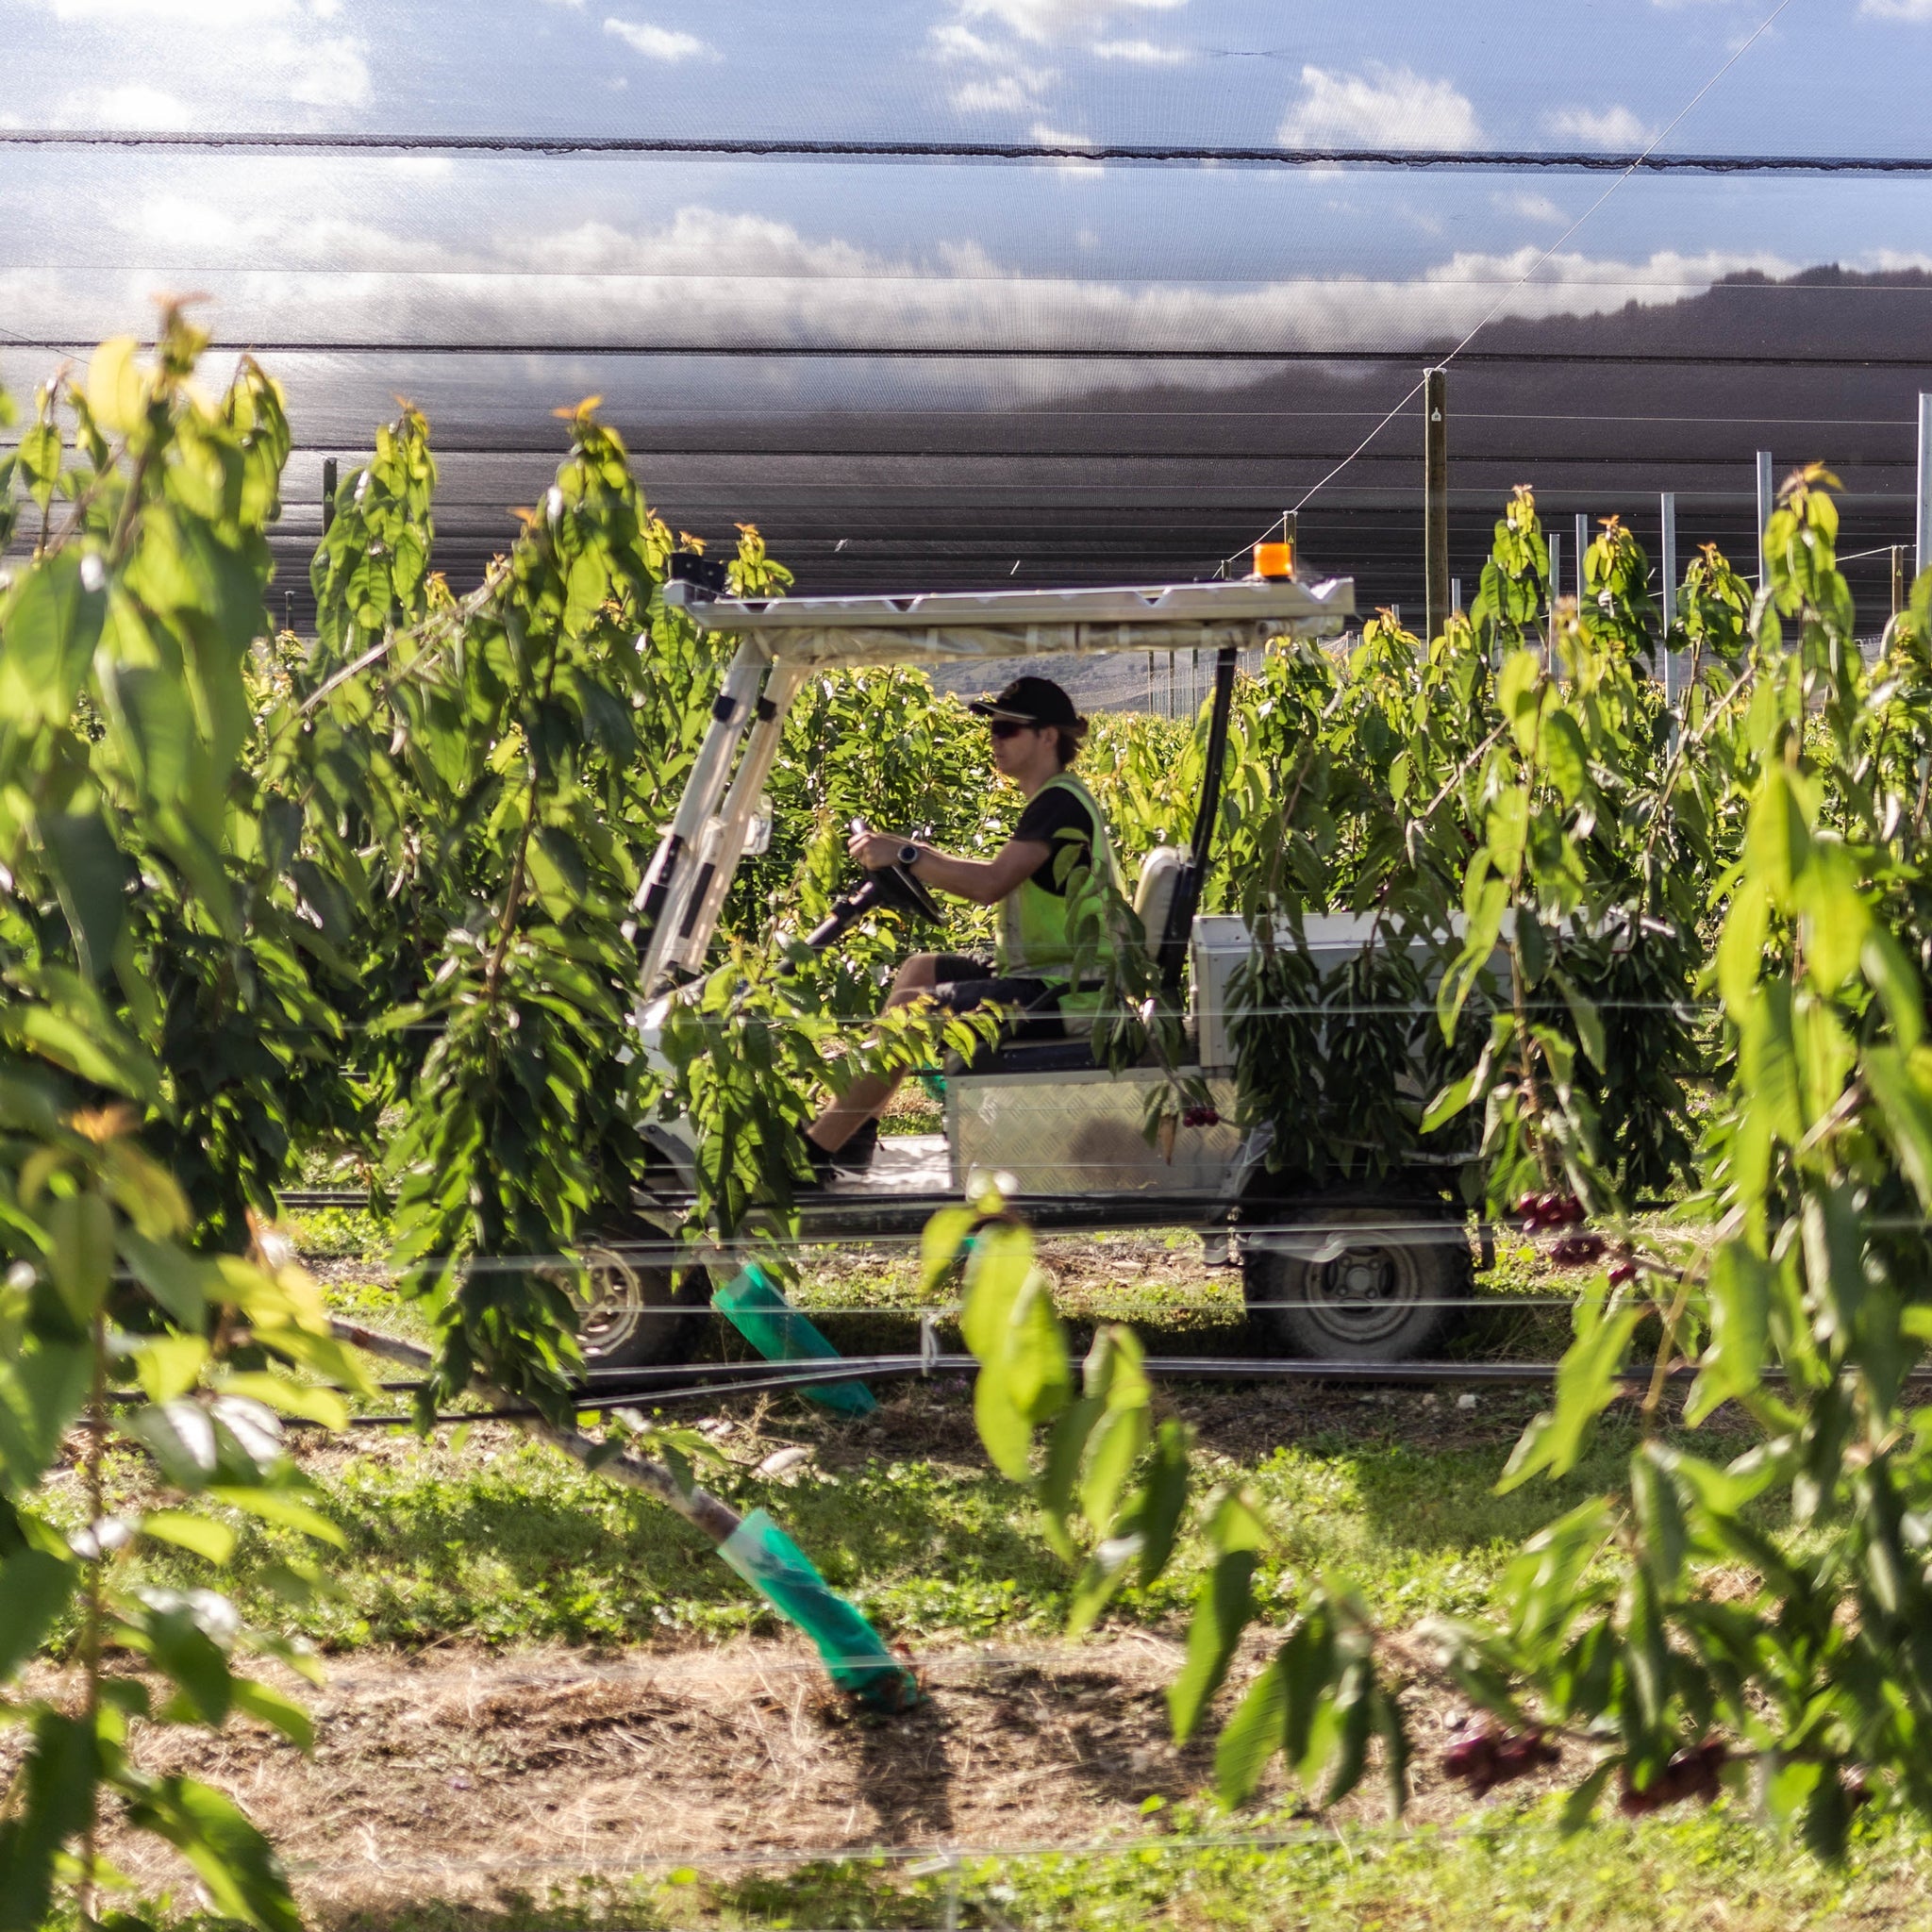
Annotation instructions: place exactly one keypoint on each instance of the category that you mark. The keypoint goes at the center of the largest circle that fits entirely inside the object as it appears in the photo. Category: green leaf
(235, 1863)
(1580, 1805)
(35, 1586)
(1222, 1609)
(1564, 756)
(271, 1707)
(82, 1258)
(56, 1784)
(1518, 694)
(1250, 1737)
(49, 626)
(1660, 1518)
(203, 1535)
(90, 876)
(1733, 1364)
(1163, 1499)
(175, 1278)
(1587, 1383)
(170, 1365)
(193, 1660)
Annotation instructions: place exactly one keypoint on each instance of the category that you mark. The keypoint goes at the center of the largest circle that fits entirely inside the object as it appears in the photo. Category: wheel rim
(1368, 1293)
(617, 1295)
(1364, 1296)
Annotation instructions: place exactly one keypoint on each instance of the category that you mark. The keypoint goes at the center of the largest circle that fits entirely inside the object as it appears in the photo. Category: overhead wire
(1737, 54)
(1078, 151)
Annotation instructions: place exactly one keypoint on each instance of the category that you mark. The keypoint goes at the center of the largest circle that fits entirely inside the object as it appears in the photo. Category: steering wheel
(890, 886)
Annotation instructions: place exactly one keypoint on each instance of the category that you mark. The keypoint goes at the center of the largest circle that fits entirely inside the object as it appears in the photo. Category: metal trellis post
(1765, 496)
(1582, 547)
(1924, 529)
(328, 492)
(1436, 496)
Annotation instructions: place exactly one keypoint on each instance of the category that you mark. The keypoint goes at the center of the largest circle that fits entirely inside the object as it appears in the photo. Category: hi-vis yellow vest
(1040, 932)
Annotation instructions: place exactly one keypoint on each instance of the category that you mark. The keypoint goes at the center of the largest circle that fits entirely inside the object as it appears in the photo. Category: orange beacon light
(1275, 560)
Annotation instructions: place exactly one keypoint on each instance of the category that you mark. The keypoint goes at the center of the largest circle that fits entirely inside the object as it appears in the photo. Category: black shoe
(855, 1157)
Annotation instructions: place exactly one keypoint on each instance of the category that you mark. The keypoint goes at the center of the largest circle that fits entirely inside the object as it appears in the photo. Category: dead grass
(446, 1774)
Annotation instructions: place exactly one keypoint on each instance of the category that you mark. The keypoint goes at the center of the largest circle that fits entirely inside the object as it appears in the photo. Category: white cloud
(1003, 94)
(1010, 85)
(1141, 53)
(656, 42)
(236, 52)
(718, 277)
(1613, 128)
(133, 106)
(1532, 208)
(1059, 20)
(1382, 107)
(1896, 9)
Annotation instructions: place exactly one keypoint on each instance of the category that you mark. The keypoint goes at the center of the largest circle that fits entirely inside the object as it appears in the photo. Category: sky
(433, 248)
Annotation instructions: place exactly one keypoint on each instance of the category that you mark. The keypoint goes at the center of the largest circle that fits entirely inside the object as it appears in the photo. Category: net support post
(1555, 549)
(1436, 497)
(1582, 551)
(1764, 501)
(328, 492)
(1922, 526)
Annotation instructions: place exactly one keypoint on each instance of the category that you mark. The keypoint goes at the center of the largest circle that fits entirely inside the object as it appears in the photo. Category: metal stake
(1898, 578)
(1556, 547)
(1924, 523)
(328, 492)
(1582, 548)
(1764, 499)
(1436, 497)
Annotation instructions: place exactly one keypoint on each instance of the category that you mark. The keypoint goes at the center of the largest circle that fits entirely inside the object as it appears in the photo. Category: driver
(1057, 849)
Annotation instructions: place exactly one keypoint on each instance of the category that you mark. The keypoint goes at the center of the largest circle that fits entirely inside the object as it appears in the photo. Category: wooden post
(1436, 497)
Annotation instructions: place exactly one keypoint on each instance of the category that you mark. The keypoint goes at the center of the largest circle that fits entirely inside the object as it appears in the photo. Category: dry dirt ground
(451, 1774)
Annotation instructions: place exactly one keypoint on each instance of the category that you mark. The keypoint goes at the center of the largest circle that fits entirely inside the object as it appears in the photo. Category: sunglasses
(1009, 727)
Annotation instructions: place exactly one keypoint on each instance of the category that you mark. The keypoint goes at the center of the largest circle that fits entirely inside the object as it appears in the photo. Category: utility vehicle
(1359, 1276)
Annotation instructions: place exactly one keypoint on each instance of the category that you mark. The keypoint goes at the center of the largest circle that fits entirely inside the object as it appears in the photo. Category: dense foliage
(374, 892)
(1758, 1622)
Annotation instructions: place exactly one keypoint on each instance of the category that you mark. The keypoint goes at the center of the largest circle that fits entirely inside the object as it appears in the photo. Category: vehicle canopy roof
(965, 626)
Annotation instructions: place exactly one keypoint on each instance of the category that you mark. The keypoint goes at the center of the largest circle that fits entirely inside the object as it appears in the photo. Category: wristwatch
(908, 854)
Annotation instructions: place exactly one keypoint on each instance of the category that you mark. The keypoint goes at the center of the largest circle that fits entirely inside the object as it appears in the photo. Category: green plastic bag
(852, 1652)
(752, 1304)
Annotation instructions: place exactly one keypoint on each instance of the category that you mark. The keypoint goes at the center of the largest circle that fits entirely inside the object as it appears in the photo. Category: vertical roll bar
(723, 843)
(661, 897)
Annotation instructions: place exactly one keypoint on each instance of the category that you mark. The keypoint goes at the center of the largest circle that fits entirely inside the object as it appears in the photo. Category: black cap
(1030, 701)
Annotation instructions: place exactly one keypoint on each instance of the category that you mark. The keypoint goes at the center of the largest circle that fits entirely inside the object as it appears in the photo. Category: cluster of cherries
(1545, 1214)
(1562, 1215)
(1200, 1117)
(1692, 1774)
(1486, 1757)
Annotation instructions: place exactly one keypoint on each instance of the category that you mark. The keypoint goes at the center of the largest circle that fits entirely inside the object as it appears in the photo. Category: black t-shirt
(1056, 818)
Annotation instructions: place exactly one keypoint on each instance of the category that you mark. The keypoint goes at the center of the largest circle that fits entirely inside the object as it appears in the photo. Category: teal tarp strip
(854, 1653)
(752, 1303)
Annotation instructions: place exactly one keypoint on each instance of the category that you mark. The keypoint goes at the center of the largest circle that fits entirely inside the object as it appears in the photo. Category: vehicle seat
(1159, 880)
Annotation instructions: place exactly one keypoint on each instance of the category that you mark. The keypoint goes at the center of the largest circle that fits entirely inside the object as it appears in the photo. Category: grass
(1511, 1870)
(497, 1540)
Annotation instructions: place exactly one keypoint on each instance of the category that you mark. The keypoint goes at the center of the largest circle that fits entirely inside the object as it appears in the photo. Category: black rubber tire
(641, 1312)
(1374, 1298)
